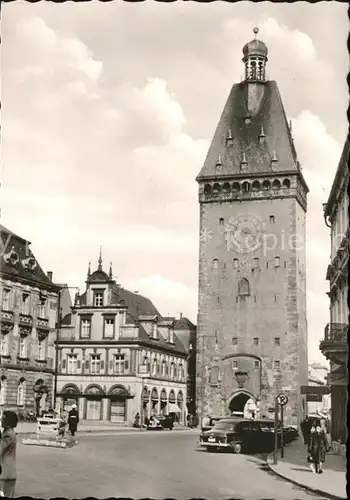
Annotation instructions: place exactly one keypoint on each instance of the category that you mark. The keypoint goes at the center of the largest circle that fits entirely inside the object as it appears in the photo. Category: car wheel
(237, 448)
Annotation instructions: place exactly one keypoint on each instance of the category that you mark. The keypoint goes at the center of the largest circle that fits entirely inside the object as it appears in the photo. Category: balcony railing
(25, 319)
(336, 332)
(7, 316)
(42, 323)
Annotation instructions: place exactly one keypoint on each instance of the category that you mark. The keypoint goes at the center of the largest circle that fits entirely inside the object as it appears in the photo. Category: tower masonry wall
(260, 337)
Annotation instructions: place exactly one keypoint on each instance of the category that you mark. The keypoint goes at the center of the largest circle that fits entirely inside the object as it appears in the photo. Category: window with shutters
(25, 304)
(119, 364)
(95, 364)
(21, 393)
(4, 344)
(214, 375)
(85, 328)
(41, 352)
(42, 308)
(109, 328)
(72, 363)
(23, 348)
(6, 296)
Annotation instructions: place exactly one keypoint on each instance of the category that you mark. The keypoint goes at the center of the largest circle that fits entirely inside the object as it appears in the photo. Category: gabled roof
(184, 324)
(270, 118)
(17, 271)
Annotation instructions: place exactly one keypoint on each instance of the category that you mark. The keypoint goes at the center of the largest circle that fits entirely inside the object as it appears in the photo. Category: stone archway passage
(238, 402)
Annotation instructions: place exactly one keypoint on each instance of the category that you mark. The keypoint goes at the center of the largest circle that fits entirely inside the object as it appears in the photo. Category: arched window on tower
(253, 70)
(243, 287)
(266, 185)
(207, 189)
(286, 183)
(215, 263)
(245, 187)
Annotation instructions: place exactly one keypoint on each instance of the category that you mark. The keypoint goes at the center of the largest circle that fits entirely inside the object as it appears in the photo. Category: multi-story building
(28, 317)
(186, 331)
(334, 346)
(118, 356)
(318, 403)
(252, 329)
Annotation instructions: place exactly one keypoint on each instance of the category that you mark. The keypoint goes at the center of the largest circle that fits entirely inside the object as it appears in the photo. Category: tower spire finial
(100, 260)
(255, 31)
(110, 271)
(89, 270)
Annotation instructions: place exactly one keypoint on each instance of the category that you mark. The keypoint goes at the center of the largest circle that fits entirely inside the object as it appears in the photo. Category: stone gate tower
(252, 330)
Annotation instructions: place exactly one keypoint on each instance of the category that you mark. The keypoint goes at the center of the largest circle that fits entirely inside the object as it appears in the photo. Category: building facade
(28, 317)
(117, 356)
(334, 346)
(186, 332)
(318, 404)
(252, 329)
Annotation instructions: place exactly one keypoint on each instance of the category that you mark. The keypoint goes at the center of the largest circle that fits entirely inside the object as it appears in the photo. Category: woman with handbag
(318, 447)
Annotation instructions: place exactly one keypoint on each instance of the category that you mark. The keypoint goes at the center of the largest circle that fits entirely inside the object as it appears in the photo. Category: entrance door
(118, 411)
(93, 409)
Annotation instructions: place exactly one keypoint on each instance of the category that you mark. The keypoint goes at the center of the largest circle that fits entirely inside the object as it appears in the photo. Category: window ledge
(40, 360)
(5, 356)
(23, 358)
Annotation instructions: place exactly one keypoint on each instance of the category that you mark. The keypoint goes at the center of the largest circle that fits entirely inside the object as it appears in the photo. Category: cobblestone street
(156, 465)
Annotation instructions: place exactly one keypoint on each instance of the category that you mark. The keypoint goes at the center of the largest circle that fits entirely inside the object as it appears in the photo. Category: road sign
(282, 399)
(315, 398)
(314, 389)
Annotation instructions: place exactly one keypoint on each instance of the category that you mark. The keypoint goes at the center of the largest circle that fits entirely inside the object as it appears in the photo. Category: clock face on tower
(244, 233)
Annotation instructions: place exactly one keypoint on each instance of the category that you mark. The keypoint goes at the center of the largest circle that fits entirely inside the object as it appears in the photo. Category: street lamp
(143, 373)
(57, 338)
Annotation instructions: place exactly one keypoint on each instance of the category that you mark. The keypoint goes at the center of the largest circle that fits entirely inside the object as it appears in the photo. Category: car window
(227, 426)
(244, 426)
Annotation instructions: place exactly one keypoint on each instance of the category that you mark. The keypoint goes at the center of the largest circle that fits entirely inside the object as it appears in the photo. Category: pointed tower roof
(99, 275)
(259, 129)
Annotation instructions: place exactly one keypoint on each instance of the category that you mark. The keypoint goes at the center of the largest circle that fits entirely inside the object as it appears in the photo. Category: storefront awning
(173, 408)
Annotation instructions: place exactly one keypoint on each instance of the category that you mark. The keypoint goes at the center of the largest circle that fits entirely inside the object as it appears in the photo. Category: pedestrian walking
(305, 429)
(8, 444)
(318, 447)
(206, 421)
(73, 420)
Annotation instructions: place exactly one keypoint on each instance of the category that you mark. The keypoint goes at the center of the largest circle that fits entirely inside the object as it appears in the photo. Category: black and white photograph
(174, 250)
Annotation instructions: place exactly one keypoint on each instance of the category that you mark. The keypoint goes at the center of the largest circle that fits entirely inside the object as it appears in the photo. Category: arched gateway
(242, 402)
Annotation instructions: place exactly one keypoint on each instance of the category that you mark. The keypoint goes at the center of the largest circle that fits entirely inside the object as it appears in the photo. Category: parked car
(240, 435)
(290, 434)
(163, 422)
(212, 422)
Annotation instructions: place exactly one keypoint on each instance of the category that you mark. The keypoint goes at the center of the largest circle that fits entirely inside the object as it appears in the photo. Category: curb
(301, 485)
(110, 431)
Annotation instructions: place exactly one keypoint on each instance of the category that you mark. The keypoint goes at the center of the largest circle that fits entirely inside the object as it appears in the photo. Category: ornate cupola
(255, 58)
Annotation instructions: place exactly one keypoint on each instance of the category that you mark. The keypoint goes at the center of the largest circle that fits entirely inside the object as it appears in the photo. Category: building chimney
(49, 275)
(180, 315)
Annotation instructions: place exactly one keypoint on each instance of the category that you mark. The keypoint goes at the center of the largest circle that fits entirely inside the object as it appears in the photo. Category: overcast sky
(107, 114)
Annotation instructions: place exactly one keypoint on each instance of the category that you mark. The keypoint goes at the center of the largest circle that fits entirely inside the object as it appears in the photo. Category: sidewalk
(25, 428)
(295, 468)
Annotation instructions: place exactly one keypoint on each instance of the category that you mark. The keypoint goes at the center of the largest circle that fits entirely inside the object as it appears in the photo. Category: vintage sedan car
(240, 435)
(162, 422)
(212, 422)
(290, 434)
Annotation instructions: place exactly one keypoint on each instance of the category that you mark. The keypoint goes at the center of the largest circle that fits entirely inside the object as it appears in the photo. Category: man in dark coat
(305, 429)
(73, 420)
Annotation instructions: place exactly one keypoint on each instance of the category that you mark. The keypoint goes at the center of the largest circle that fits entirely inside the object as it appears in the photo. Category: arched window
(276, 184)
(266, 185)
(172, 369)
(215, 263)
(256, 186)
(245, 187)
(163, 367)
(21, 392)
(286, 183)
(216, 188)
(236, 187)
(235, 263)
(277, 262)
(243, 287)
(226, 188)
(207, 189)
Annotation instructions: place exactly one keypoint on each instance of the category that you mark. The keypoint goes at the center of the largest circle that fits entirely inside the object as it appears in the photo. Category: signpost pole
(282, 443)
(141, 409)
(276, 433)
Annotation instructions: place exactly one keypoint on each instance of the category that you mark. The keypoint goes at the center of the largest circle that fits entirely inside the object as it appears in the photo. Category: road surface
(146, 464)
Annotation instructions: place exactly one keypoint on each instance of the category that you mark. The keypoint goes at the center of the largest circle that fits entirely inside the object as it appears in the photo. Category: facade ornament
(219, 162)
(110, 271)
(229, 139)
(262, 135)
(99, 268)
(241, 378)
(244, 162)
(11, 257)
(77, 299)
(274, 159)
(89, 270)
(29, 263)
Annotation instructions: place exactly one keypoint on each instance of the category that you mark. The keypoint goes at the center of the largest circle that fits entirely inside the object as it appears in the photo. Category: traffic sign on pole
(282, 399)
